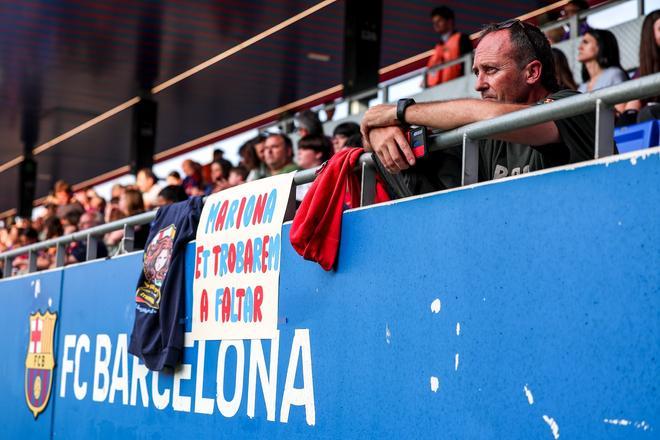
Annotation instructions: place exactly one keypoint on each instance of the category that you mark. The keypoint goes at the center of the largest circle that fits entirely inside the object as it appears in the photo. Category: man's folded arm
(448, 115)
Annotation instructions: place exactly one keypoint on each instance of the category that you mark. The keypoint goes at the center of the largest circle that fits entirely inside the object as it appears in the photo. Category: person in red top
(452, 45)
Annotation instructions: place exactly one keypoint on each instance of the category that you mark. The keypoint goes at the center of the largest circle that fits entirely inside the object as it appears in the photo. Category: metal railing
(91, 236)
(600, 101)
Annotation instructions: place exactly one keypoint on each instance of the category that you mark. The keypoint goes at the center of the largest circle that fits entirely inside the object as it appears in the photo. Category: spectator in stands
(237, 176)
(147, 183)
(4, 237)
(219, 156)
(50, 208)
(171, 194)
(649, 63)
(70, 222)
(20, 264)
(81, 198)
(64, 199)
(116, 191)
(52, 228)
(563, 71)
(218, 179)
(569, 10)
(77, 251)
(97, 204)
(308, 122)
(253, 157)
(278, 154)
(452, 45)
(12, 239)
(174, 178)
(514, 70)
(312, 152)
(112, 211)
(599, 54)
(192, 183)
(130, 204)
(342, 133)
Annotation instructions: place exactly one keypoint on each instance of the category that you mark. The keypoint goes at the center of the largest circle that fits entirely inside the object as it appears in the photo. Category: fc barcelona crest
(40, 361)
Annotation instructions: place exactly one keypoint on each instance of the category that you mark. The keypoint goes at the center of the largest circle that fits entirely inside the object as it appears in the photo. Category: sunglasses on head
(516, 22)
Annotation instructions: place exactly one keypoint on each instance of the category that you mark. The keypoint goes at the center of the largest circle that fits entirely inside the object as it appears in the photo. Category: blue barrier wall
(522, 309)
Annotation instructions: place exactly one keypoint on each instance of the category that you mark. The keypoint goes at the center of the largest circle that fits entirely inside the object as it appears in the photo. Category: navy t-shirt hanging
(157, 336)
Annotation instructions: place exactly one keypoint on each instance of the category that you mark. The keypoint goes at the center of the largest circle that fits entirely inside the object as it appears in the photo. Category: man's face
(276, 154)
(440, 24)
(143, 182)
(498, 76)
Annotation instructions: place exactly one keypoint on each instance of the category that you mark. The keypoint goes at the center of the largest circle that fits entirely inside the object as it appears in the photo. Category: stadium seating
(637, 136)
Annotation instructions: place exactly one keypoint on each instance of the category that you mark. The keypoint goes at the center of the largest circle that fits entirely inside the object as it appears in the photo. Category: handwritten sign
(237, 261)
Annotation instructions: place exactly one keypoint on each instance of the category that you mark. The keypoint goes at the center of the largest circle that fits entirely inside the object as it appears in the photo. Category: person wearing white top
(146, 182)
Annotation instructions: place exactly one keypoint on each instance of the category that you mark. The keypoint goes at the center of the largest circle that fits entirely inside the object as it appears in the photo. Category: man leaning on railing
(514, 68)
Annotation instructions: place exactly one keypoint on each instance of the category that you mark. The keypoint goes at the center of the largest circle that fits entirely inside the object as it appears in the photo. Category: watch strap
(401, 107)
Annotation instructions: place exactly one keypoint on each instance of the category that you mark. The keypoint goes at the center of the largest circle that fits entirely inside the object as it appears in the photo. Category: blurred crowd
(67, 211)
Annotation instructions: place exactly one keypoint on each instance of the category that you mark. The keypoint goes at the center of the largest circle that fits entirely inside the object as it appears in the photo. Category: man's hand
(391, 147)
(383, 115)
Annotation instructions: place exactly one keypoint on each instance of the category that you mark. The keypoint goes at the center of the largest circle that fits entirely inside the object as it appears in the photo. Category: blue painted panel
(504, 310)
(19, 298)
(98, 302)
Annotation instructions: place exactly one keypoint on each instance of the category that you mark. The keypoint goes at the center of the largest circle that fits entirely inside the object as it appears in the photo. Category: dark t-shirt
(499, 159)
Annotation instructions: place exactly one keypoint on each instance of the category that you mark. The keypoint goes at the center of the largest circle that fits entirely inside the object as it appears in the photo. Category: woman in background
(601, 67)
(649, 63)
(563, 71)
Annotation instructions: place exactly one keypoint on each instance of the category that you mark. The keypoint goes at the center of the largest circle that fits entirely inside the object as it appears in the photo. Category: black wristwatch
(401, 107)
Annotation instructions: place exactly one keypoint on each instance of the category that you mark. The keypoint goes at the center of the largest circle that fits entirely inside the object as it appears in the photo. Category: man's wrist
(401, 107)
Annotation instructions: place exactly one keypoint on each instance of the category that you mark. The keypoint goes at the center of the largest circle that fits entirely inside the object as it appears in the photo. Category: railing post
(467, 64)
(574, 26)
(470, 168)
(32, 261)
(92, 245)
(640, 8)
(6, 271)
(129, 238)
(604, 130)
(368, 192)
(60, 255)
